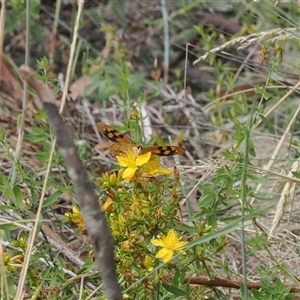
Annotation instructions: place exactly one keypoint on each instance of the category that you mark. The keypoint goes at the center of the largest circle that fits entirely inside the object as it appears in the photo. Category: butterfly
(121, 143)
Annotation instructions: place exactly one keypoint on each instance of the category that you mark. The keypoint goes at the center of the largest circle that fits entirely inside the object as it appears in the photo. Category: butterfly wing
(163, 150)
(114, 135)
(120, 143)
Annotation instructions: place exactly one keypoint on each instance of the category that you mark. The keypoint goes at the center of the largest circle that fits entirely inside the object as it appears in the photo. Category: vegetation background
(221, 79)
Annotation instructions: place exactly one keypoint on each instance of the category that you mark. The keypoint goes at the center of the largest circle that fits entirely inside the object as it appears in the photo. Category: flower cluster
(75, 217)
(138, 209)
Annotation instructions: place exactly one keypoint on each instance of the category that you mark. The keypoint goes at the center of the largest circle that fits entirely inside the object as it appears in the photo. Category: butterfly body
(121, 144)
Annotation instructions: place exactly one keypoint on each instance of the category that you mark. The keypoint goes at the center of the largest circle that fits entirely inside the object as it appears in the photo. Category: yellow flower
(117, 226)
(21, 243)
(139, 205)
(170, 243)
(125, 245)
(148, 262)
(107, 205)
(110, 180)
(75, 217)
(12, 262)
(153, 168)
(131, 162)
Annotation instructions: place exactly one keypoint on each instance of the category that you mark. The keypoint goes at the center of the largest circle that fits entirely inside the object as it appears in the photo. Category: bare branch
(95, 220)
(235, 284)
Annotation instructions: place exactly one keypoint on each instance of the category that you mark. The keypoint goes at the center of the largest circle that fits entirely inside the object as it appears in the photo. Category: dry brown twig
(236, 284)
(96, 223)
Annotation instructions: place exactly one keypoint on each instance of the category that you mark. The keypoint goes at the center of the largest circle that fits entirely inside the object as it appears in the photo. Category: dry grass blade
(245, 41)
(278, 147)
(286, 197)
(279, 102)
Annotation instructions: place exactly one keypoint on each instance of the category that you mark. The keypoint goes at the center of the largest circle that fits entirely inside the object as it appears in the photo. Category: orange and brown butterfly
(120, 144)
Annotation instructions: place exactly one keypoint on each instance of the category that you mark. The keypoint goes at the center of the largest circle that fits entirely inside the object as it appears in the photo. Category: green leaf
(42, 156)
(34, 139)
(52, 199)
(207, 199)
(43, 63)
(40, 115)
(7, 207)
(8, 193)
(266, 121)
(230, 116)
(240, 105)
(8, 227)
(215, 234)
(297, 153)
(18, 196)
(296, 174)
(257, 179)
(174, 290)
(259, 90)
(36, 135)
(118, 9)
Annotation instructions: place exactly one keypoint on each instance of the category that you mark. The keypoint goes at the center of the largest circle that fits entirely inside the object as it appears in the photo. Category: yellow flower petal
(168, 256)
(121, 220)
(171, 235)
(143, 159)
(129, 173)
(107, 206)
(162, 253)
(153, 168)
(122, 161)
(161, 170)
(157, 243)
(76, 211)
(179, 245)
